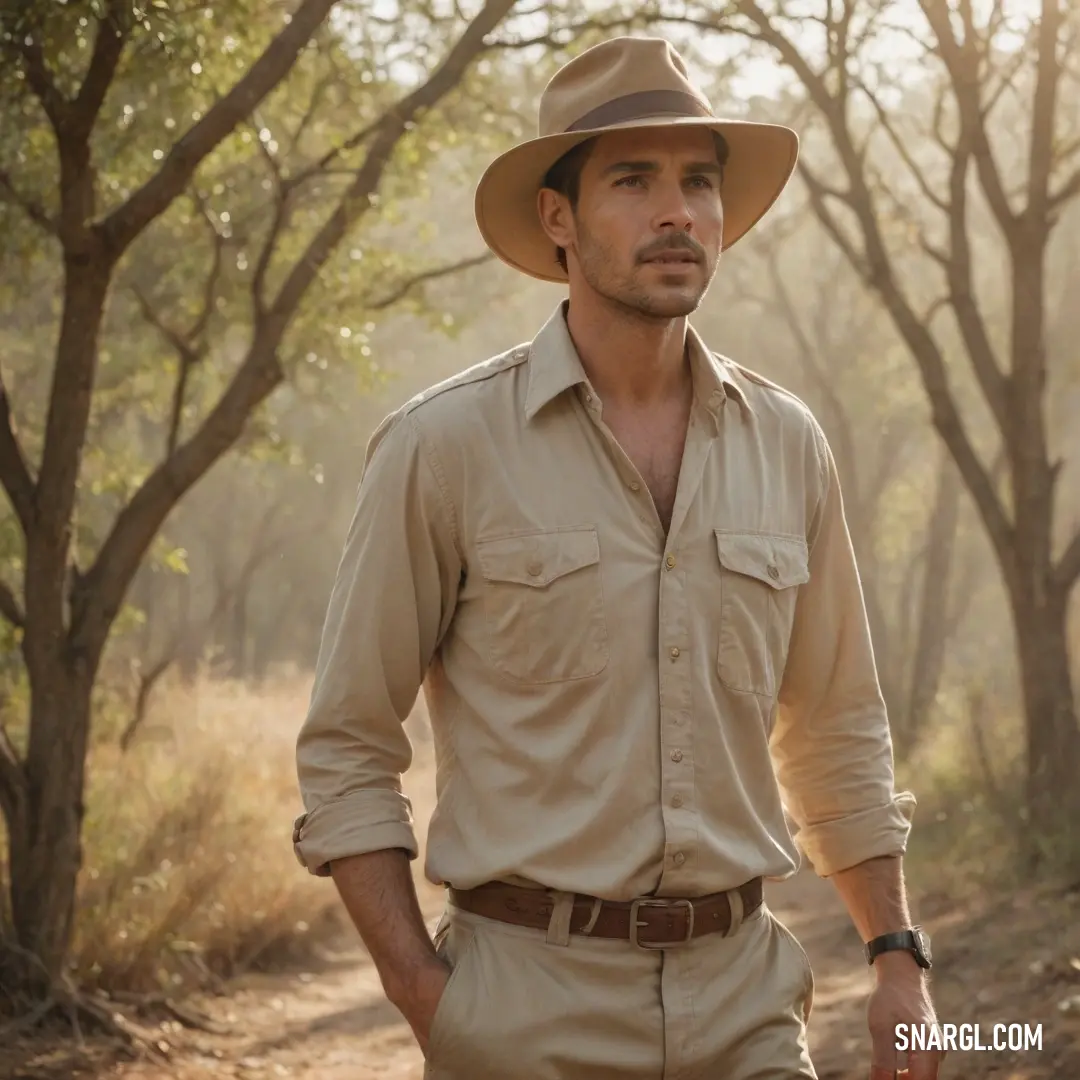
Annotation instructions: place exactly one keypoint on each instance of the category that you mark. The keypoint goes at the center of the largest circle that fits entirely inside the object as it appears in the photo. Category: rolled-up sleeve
(831, 743)
(391, 604)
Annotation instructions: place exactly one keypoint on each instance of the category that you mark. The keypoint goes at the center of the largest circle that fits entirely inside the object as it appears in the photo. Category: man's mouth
(674, 257)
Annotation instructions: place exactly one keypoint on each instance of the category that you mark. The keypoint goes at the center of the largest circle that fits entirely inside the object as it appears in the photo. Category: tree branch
(905, 155)
(876, 269)
(389, 130)
(1043, 111)
(33, 210)
(98, 596)
(128, 220)
(14, 473)
(980, 349)
(1066, 193)
(403, 288)
(113, 28)
(961, 59)
(97, 600)
(41, 83)
(9, 607)
(1067, 571)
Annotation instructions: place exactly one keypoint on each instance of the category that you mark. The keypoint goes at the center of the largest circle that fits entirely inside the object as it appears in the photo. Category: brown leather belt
(651, 922)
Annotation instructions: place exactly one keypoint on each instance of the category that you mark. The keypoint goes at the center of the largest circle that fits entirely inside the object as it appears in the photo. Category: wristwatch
(915, 941)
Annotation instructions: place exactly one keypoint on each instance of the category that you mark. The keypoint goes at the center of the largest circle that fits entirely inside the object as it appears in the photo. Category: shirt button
(675, 653)
(676, 755)
(773, 572)
(534, 567)
(669, 562)
(634, 485)
(676, 800)
(679, 858)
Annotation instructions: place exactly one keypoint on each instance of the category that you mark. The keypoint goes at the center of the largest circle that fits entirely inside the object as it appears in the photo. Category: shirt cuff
(838, 845)
(365, 821)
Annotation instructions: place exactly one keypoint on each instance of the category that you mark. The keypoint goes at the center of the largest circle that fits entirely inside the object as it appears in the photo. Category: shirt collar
(554, 367)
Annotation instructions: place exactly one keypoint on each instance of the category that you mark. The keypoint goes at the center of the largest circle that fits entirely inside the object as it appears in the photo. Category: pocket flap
(538, 559)
(779, 561)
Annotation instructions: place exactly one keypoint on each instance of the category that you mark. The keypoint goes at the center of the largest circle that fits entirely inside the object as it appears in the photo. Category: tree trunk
(1053, 738)
(45, 845)
(934, 624)
(238, 635)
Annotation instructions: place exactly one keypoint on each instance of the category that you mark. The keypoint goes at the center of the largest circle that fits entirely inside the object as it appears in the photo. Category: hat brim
(761, 160)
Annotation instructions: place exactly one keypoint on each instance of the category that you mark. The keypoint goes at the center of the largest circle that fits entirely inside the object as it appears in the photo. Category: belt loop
(735, 905)
(594, 914)
(558, 930)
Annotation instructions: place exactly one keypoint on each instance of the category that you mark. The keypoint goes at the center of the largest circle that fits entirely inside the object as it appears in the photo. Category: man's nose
(672, 208)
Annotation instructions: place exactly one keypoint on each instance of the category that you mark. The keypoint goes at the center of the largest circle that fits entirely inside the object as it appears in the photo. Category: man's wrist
(897, 964)
(401, 979)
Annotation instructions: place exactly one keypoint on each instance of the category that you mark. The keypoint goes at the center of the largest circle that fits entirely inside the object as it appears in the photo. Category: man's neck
(631, 361)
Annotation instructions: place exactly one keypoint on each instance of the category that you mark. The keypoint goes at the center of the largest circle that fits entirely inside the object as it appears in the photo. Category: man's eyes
(695, 181)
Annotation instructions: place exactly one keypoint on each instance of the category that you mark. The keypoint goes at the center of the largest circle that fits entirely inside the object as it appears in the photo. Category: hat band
(643, 103)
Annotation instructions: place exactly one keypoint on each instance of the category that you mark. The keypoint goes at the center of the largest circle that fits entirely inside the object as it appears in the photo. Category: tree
(998, 83)
(842, 357)
(69, 599)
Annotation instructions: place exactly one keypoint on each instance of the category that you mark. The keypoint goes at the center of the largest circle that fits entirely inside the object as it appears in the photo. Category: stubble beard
(630, 292)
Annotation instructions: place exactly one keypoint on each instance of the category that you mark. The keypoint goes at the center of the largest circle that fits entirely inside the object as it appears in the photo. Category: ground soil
(1013, 959)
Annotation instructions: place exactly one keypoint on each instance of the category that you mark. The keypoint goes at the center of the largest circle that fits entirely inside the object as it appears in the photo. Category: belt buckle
(659, 902)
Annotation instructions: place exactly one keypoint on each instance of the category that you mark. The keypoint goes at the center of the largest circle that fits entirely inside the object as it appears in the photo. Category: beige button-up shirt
(615, 711)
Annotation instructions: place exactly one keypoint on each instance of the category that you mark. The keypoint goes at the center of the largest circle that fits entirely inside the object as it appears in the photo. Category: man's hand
(900, 997)
(419, 1002)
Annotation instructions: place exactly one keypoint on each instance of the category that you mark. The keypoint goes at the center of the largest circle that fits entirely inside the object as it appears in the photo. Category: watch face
(922, 941)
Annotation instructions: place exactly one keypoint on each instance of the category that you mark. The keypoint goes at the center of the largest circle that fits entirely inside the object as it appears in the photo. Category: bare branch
(901, 148)
(33, 210)
(1044, 111)
(14, 472)
(819, 193)
(937, 254)
(1067, 572)
(128, 220)
(176, 338)
(876, 269)
(9, 607)
(403, 288)
(561, 36)
(1066, 193)
(962, 293)
(961, 59)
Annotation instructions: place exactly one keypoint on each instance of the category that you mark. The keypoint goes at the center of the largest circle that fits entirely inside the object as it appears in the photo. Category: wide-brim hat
(627, 82)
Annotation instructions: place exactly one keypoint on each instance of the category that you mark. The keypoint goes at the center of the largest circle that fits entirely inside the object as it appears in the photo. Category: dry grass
(189, 870)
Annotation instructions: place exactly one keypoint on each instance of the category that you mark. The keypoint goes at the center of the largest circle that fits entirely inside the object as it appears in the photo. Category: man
(619, 566)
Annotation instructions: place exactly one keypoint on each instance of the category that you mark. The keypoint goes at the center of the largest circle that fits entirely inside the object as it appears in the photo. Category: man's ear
(556, 217)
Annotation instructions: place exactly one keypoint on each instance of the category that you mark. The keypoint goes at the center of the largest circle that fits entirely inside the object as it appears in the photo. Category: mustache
(678, 243)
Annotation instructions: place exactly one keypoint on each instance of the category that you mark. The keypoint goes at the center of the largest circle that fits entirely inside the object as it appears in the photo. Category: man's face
(649, 222)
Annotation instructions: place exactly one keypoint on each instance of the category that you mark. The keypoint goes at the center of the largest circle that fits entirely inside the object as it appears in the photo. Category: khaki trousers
(522, 1004)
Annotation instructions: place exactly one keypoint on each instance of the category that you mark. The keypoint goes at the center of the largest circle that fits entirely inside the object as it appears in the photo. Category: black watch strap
(915, 941)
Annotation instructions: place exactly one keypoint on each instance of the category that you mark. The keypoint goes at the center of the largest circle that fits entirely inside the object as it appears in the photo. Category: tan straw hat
(626, 82)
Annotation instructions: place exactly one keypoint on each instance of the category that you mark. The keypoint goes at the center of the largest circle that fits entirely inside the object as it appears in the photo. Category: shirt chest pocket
(759, 579)
(544, 605)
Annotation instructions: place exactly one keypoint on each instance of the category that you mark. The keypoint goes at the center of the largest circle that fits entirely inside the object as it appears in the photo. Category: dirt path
(332, 1023)
(1015, 960)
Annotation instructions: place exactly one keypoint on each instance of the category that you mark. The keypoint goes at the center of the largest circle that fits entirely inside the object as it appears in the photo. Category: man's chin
(670, 304)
